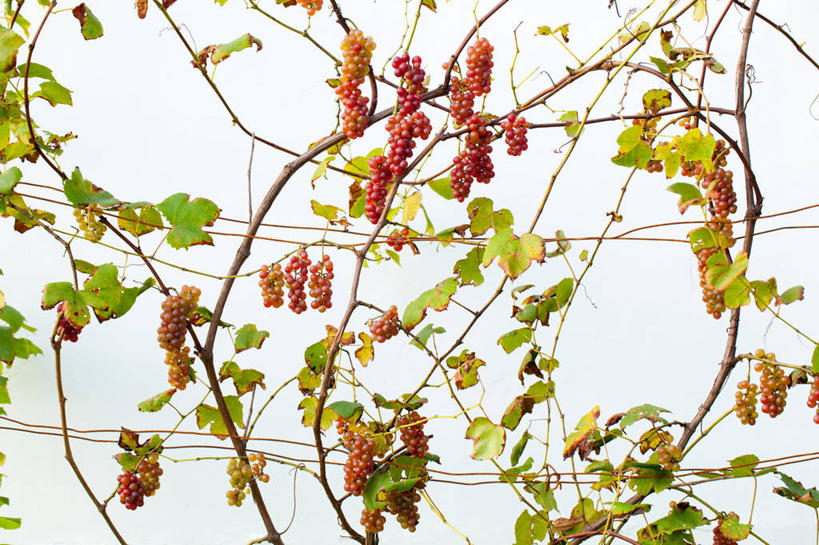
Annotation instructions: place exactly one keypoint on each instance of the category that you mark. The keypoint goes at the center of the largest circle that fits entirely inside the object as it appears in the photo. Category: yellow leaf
(700, 10)
(411, 206)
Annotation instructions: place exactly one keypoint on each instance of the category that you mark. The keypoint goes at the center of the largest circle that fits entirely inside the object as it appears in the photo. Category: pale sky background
(149, 126)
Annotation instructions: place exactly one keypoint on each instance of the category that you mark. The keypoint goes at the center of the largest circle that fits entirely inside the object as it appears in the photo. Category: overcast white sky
(149, 126)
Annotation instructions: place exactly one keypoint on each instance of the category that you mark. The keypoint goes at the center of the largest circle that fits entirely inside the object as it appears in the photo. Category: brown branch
(781, 30)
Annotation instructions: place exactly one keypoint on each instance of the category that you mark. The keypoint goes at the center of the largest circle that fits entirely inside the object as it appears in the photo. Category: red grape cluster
(321, 283)
(413, 436)
(295, 276)
(65, 327)
(745, 406)
(377, 187)
(722, 539)
(130, 490)
(654, 165)
(403, 130)
(473, 164)
(175, 311)
(357, 50)
(409, 95)
(373, 521)
(813, 397)
(461, 101)
(404, 506)
(387, 326)
(479, 67)
(271, 280)
(88, 223)
(397, 239)
(149, 472)
(179, 367)
(312, 6)
(359, 465)
(669, 456)
(773, 385)
(515, 134)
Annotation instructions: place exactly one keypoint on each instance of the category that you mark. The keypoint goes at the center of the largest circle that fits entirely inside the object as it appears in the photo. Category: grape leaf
(148, 220)
(80, 191)
(9, 179)
(90, 26)
(249, 337)
(366, 352)
(488, 439)
(187, 218)
(468, 269)
(243, 379)
(155, 403)
(309, 405)
(436, 298)
(514, 254)
(10, 42)
(205, 414)
(220, 52)
(54, 93)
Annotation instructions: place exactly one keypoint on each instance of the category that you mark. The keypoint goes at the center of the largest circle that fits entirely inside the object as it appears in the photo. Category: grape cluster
(713, 298)
(668, 456)
(653, 165)
(321, 283)
(515, 134)
(179, 367)
(130, 490)
(409, 95)
(149, 472)
(412, 434)
(813, 397)
(312, 6)
(357, 50)
(461, 101)
(722, 539)
(175, 311)
(271, 280)
(723, 198)
(295, 276)
(402, 131)
(774, 385)
(473, 164)
(241, 473)
(372, 521)
(479, 67)
(69, 330)
(745, 406)
(404, 506)
(387, 326)
(397, 239)
(359, 465)
(377, 187)
(88, 222)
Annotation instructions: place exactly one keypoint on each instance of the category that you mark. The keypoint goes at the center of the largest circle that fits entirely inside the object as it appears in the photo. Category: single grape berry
(69, 330)
(271, 280)
(387, 326)
(130, 490)
(479, 67)
(773, 385)
(88, 221)
(745, 406)
(295, 276)
(373, 521)
(412, 434)
(149, 472)
(321, 283)
(179, 367)
(515, 129)
(175, 311)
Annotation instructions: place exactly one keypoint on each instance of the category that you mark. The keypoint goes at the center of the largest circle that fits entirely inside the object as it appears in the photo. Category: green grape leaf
(791, 295)
(634, 151)
(10, 42)
(220, 52)
(375, 484)
(127, 461)
(764, 292)
(105, 294)
(523, 529)
(584, 427)
(436, 298)
(54, 93)
(243, 379)
(482, 217)
(696, 147)
(326, 211)
(321, 170)
(147, 221)
(441, 187)
(316, 355)
(309, 405)
(205, 414)
(488, 439)
(347, 409)
(90, 26)
(308, 380)
(655, 100)
(423, 336)
(733, 529)
(75, 309)
(80, 191)
(518, 448)
(573, 125)
(249, 337)
(466, 365)
(641, 412)
(468, 269)
(520, 406)
(721, 274)
(738, 293)
(35, 70)
(513, 340)
(514, 254)
(155, 403)
(743, 466)
(187, 218)
(689, 195)
(814, 360)
(9, 179)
